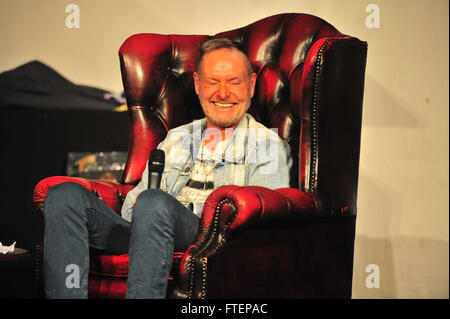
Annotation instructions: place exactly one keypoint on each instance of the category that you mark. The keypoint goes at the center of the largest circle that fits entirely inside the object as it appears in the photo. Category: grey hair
(221, 43)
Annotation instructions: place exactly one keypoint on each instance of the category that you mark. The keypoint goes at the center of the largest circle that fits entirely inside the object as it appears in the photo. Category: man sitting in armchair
(228, 147)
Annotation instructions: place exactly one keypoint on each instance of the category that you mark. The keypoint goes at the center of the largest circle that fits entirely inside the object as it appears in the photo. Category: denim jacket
(254, 155)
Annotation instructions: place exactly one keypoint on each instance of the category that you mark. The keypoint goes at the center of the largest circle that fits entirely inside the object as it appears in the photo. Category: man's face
(224, 87)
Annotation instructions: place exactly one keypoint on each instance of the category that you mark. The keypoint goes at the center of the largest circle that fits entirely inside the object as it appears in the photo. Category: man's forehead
(222, 57)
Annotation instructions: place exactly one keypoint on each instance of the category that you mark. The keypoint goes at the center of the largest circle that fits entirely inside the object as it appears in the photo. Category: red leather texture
(232, 208)
(310, 83)
(113, 194)
(108, 275)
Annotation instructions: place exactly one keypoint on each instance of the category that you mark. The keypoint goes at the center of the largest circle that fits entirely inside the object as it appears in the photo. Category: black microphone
(156, 163)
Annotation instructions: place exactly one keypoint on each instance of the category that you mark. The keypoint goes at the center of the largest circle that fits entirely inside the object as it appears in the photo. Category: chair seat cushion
(117, 265)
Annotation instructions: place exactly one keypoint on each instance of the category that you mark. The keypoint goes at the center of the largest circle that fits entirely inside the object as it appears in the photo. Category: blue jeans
(76, 221)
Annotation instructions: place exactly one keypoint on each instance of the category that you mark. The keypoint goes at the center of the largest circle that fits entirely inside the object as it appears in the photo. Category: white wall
(403, 200)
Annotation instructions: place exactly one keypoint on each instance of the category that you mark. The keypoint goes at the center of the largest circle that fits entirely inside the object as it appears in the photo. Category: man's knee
(68, 193)
(152, 203)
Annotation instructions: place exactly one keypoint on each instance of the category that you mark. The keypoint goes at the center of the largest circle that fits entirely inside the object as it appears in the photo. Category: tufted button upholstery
(157, 76)
(310, 83)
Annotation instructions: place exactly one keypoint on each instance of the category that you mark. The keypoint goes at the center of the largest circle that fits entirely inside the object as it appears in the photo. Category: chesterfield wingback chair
(253, 242)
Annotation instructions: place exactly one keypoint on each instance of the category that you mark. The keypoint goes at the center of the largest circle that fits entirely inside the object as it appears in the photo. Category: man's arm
(272, 165)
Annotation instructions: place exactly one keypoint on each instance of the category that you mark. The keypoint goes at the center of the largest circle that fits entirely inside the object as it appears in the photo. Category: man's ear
(252, 83)
(196, 80)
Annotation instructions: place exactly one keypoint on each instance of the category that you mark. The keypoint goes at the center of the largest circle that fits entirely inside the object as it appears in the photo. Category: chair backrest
(309, 86)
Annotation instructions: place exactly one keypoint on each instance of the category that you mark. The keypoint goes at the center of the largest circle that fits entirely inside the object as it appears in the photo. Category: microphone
(156, 163)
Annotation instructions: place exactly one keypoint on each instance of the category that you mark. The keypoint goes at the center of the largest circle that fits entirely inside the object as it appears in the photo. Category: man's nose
(223, 90)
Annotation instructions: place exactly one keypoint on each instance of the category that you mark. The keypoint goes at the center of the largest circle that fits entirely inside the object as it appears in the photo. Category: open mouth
(224, 105)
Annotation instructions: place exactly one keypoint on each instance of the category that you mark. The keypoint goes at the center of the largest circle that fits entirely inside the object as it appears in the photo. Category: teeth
(223, 104)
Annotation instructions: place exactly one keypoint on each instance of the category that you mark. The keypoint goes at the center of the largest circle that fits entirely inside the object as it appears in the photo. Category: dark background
(34, 145)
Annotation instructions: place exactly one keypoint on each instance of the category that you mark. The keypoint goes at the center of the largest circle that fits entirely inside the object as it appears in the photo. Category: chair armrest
(232, 208)
(112, 193)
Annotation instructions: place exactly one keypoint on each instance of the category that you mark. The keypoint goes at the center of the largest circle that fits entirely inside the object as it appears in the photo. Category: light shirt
(202, 171)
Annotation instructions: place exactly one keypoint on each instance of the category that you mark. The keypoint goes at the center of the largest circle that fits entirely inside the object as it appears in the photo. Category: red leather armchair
(253, 242)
